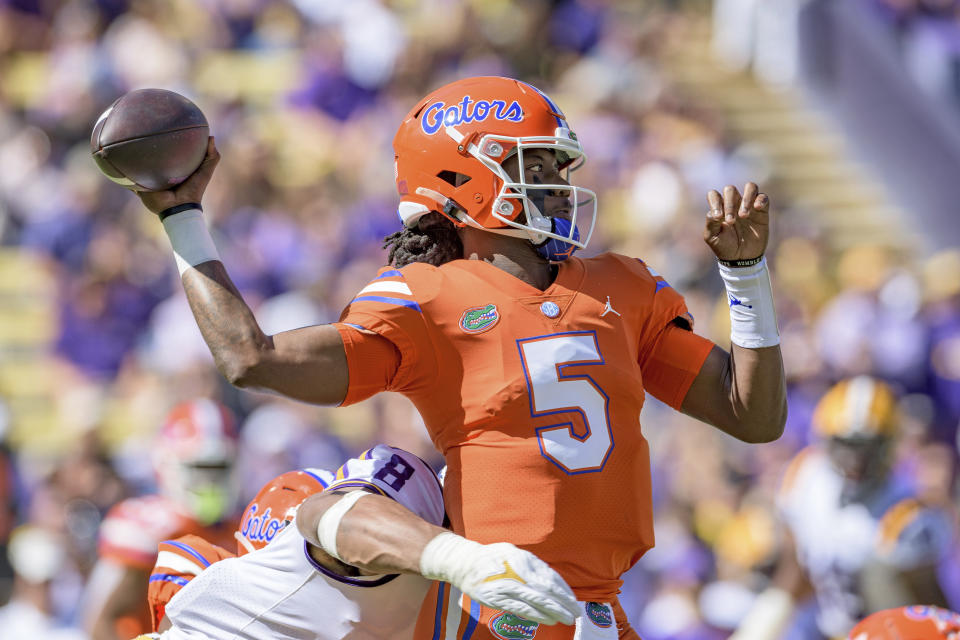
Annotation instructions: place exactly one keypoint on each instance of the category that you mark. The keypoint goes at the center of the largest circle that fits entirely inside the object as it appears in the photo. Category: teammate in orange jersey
(194, 460)
(179, 561)
(270, 511)
(529, 366)
(909, 623)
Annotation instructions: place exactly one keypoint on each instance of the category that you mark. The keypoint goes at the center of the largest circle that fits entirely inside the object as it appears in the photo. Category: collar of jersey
(569, 274)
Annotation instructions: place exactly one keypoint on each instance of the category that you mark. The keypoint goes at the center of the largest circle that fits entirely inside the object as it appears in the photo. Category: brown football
(150, 140)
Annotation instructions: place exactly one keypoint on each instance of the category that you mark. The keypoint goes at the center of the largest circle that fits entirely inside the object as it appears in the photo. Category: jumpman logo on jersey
(736, 301)
(609, 309)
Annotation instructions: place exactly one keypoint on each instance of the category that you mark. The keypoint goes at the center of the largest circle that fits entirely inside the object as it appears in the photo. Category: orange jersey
(178, 562)
(449, 614)
(534, 398)
(130, 533)
(133, 529)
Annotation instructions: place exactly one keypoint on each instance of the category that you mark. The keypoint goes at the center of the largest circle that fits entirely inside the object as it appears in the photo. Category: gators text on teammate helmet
(275, 506)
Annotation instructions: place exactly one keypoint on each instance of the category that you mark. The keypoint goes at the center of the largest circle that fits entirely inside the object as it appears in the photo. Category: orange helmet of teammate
(450, 148)
(194, 458)
(909, 623)
(274, 507)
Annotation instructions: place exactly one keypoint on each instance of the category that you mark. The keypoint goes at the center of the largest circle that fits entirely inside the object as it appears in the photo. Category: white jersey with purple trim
(280, 592)
(397, 474)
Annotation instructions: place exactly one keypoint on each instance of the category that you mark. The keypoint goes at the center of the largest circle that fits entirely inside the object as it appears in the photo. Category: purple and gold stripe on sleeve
(366, 484)
(342, 471)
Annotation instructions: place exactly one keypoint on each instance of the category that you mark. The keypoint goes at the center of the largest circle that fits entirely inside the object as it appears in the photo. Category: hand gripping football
(150, 140)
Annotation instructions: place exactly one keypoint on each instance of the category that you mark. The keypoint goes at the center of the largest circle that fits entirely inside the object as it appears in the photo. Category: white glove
(500, 576)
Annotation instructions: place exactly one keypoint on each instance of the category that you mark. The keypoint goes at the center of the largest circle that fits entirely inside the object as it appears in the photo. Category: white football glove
(500, 576)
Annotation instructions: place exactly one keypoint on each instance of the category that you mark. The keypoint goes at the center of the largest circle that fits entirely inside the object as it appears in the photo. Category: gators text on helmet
(449, 152)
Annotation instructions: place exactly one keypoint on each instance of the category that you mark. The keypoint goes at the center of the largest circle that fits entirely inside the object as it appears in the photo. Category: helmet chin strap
(556, 250)
(535, 205)
(552, 249)
(549, 248)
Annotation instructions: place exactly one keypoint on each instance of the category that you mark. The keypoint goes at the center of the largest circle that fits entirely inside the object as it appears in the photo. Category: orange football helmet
(468, 128)
(194, 458)
(275, 506)
(909, 623)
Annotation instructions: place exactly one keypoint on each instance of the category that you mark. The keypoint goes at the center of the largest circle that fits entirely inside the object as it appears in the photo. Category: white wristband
(753, 322)
(442, 558)
(330, 521)
(190, 239)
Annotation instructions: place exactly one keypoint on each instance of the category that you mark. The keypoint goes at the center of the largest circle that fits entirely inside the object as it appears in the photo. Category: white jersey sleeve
(397, 474)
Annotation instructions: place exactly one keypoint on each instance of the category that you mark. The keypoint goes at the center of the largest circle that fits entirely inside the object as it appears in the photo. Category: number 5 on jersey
(553, 390)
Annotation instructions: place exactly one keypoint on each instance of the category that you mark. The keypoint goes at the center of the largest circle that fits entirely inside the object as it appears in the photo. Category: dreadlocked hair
(434, 241)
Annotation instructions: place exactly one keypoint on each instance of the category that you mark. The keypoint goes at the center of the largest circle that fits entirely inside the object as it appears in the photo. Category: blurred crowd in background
(927, 36)
(97, 342)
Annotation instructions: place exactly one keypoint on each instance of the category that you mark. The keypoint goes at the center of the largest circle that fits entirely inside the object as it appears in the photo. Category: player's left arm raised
(742, 392)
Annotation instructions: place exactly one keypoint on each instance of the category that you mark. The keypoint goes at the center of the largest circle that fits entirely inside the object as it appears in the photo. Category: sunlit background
(847, 112)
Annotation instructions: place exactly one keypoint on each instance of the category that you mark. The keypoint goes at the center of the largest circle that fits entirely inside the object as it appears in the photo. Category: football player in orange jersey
(528, 365)
(193, 457)
(271, 510)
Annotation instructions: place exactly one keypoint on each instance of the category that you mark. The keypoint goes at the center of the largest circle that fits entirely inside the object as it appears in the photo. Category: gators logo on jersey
(479, 319)
(599, 614)
(508, 626)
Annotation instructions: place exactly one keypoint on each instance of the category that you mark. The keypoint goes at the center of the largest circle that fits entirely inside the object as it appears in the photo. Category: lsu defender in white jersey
(836, 539)
(846, 509)
(279, 591)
